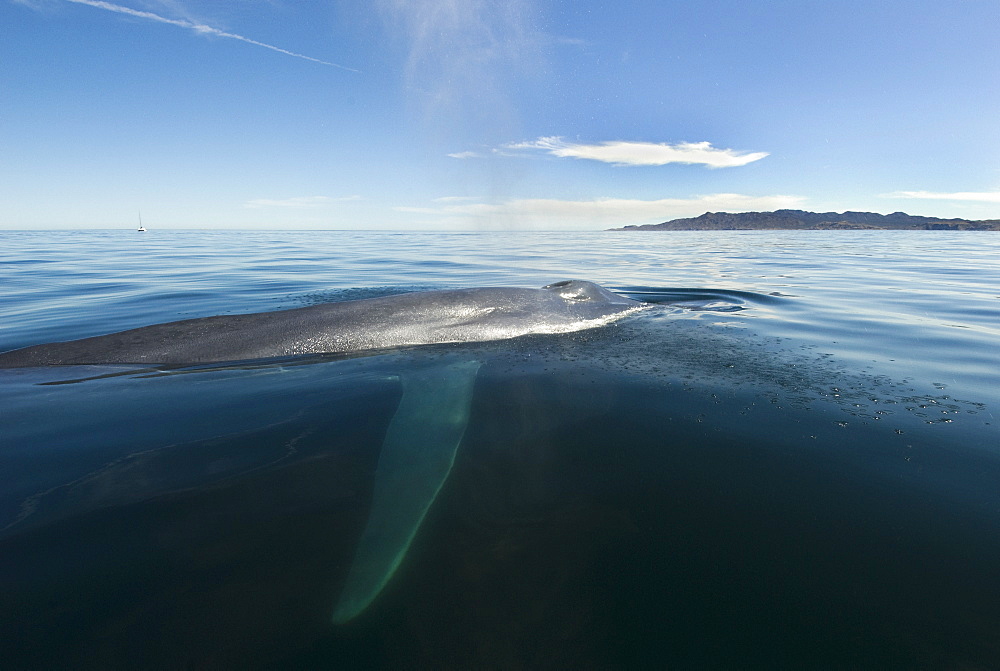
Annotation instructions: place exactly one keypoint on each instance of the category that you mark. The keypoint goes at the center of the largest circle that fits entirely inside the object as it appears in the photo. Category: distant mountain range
(802, 220)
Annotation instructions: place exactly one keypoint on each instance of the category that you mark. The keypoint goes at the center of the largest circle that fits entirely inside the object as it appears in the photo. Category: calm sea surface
(791, 460)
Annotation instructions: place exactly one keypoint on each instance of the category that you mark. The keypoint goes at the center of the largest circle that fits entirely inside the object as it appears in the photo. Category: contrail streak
(199, 28)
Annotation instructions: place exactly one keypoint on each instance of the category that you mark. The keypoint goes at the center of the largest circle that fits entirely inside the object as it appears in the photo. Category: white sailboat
(141, 229)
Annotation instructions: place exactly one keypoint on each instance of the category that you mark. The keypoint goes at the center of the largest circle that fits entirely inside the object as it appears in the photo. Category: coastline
(800, 220)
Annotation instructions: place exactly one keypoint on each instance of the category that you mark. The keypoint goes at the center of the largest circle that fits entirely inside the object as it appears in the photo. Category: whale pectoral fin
(416, 458)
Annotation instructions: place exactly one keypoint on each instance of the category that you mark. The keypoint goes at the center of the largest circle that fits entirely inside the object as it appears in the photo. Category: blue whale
(427, 428)
(418, 318)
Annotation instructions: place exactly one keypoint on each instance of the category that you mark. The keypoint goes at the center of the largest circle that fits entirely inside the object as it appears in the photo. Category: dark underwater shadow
(628, 527)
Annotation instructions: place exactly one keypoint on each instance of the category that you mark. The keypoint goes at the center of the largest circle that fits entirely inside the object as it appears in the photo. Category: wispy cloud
(299, 202)
(466, 154)
(978, 196)
(545, 213)
(466, 61)
(643, 153)
(199, 28)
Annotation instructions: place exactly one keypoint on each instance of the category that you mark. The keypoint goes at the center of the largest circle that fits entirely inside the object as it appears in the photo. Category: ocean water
(790, 460)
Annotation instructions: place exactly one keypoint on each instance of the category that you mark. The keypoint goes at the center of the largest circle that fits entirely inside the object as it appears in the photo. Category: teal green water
(790, 461)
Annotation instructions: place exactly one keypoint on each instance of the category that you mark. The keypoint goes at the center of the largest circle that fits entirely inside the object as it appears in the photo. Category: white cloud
(979, 196)
(643, 153)
(548, 214)
(299, 202)
(466, 154)
(199, 28)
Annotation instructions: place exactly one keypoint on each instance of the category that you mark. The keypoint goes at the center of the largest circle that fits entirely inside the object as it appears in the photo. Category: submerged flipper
(417, 455)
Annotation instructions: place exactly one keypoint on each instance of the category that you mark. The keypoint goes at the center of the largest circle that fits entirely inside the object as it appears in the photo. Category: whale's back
(462, 315)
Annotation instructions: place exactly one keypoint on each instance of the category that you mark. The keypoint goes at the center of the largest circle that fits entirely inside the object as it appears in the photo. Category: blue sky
(476, 114)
